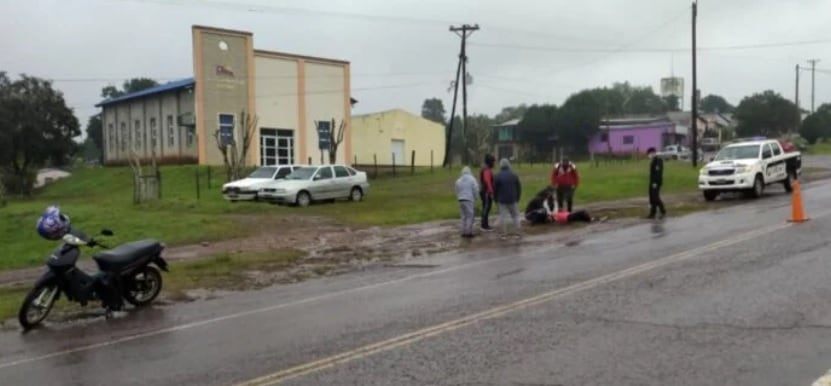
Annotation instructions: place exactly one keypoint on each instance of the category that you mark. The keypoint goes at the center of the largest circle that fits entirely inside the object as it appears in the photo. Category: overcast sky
(527, 51)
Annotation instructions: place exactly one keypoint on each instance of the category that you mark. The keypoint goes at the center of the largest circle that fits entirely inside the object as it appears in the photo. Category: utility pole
(448, 159)
(796, 100)
(813, 82)
(464, 31)
(694, 122)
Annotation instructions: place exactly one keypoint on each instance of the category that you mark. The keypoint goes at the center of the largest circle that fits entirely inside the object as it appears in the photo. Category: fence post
(209, 177)
(431, 160)
(197, 183)
(412, 163)
(159, 183)
(310, 160)
(355, 161)
(393, 164)
(375, 161)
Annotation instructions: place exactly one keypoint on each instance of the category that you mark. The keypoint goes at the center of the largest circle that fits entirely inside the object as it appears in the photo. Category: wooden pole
(412, 163)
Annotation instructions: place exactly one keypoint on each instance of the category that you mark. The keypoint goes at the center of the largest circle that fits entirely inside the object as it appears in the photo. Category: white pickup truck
(749, 167)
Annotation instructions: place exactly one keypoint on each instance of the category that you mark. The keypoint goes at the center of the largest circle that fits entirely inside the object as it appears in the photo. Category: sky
(526, 51)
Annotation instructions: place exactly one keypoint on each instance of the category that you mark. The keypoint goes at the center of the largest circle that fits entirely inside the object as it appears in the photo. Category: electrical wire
(651, 49)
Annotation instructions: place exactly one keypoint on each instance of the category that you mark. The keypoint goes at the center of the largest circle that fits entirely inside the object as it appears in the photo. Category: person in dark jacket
(656, 179)
(507, 192)
(565, 178)
(486, 190)
(539, 209)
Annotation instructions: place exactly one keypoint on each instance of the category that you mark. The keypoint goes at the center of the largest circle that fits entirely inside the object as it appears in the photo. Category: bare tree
(235, 154)
(335, 139)
(145, 186)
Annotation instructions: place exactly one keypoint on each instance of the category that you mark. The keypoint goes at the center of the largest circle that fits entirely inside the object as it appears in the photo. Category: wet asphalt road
(730, 297)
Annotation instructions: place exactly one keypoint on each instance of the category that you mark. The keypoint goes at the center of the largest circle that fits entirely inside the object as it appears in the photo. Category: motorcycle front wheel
(37, 305)
(143, 287)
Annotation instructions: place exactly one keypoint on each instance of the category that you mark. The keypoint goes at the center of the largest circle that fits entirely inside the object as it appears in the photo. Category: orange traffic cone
(798, 212)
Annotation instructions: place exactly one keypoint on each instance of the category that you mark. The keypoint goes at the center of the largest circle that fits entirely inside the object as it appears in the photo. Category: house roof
(162, 88)
(512, 122)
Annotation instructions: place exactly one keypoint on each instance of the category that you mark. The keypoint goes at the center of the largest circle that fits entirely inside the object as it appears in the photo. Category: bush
(14, 183)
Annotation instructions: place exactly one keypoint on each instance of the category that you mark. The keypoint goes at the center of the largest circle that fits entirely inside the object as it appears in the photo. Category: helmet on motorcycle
(53, 225)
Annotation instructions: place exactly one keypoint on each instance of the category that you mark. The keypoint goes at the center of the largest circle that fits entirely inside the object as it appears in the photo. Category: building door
(276, 147)
(398, 151)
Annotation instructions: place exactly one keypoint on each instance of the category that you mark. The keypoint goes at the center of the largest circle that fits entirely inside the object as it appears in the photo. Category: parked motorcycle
(128, 272)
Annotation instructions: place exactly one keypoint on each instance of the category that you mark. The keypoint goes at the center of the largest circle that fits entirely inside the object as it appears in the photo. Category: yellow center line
(416, 336)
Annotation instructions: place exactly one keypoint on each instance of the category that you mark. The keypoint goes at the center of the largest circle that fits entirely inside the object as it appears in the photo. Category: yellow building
(293, 97)
(392, 136)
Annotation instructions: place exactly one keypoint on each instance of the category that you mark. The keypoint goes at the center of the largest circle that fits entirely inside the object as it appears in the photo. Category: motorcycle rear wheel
(37, 305)
(145, 285)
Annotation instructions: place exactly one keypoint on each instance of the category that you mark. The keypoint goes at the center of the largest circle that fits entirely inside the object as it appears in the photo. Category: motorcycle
(128, 272)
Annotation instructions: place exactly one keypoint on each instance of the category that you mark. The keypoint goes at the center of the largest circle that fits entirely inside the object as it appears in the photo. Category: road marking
(416, 336)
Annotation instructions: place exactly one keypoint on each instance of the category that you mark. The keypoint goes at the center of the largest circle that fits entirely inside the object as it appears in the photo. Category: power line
(650, 49)
(119, 79)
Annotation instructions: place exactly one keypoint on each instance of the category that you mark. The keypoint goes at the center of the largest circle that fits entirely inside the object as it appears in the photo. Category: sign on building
(324, 130)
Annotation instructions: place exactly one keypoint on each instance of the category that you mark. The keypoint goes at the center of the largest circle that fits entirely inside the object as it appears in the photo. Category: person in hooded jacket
(507, 193)
(466, 191)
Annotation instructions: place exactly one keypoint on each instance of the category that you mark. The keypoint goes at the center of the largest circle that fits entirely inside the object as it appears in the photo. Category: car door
(768, 163)
(322, 184)
(781, 166)
(343, 182)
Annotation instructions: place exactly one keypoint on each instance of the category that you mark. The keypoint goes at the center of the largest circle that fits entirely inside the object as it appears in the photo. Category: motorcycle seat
(125, 254)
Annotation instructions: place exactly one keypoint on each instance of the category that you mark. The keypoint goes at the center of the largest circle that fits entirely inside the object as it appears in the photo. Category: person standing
(507, 192)
(466, 189)
(656, 179)
(565, 178)
(486, 190)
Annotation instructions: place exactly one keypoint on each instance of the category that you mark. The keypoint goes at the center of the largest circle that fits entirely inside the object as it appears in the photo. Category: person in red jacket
(486, 190)
(565, 179)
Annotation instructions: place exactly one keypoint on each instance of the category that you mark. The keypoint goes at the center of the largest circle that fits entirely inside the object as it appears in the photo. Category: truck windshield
(738, 152)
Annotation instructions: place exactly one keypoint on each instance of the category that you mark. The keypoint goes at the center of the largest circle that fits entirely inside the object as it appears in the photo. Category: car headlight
(742, 169)
(703, 172)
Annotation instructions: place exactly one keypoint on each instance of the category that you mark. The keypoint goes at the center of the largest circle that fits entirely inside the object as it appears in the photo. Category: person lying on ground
(538, 210)
(563, 217)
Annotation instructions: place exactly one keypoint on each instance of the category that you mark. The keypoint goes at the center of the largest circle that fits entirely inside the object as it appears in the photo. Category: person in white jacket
(466, 191)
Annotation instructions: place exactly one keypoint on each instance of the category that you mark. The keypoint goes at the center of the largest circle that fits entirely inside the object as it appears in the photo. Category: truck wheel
(710, 195)
(758, 187)
(788, 183)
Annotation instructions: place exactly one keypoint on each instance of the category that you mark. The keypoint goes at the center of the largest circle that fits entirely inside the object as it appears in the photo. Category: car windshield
(738, 152)
(302, 174)
(263, 173)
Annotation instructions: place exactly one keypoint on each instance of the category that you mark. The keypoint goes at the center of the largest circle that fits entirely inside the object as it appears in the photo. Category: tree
(712, 104)
(234, 145)
(95, 133)
(672, 103)
(817, 125)
(335, 139)
(578, 119)
(768, 114)
(638, 100)
(478, 136)
(433, 109)
(537, 130)
(36, 128)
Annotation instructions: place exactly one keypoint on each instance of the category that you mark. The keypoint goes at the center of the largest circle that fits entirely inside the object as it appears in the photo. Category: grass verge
(102, 197)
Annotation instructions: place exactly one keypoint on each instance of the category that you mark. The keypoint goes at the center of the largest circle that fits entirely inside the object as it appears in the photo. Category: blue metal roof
(170, 86)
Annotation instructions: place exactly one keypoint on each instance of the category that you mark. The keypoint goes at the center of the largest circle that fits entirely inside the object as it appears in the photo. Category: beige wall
(373, 134)
(326, 97)
(221, 92)
(276, 98)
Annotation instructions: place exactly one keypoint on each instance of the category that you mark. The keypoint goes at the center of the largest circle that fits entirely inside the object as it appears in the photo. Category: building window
(170, 137)
(111, 143)
(628, 139)
(124, 134)
(506, 134)
(276, 147)
(226, 129)
(153, 133)
(604, 137)
(189, 139)
(137, 134)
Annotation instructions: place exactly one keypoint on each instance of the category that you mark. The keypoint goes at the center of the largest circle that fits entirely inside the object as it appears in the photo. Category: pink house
(635, 135)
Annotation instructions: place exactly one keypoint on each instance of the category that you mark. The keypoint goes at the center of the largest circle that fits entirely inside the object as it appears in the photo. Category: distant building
(48, 175)
(293, 96)
(630, 135)
(393, 135)
(506, 140)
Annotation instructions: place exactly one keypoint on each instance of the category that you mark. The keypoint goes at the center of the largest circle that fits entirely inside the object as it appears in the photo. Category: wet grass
(102, 197)
(822, 148)
(10, 300)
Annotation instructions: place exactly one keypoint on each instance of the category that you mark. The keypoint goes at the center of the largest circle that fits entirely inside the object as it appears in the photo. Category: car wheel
(758, 187)
(356, 194)
(710, 195)
(303, 199)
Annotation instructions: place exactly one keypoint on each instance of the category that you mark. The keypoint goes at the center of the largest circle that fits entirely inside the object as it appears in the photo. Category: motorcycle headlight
(73, 240)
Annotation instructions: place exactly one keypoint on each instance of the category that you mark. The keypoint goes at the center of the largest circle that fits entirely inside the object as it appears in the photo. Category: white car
(749, 167)
(317, 183)
(246, 189)
(674, 152)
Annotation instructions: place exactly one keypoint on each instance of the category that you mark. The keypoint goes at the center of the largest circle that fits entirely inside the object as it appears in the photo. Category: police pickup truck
(749, 166)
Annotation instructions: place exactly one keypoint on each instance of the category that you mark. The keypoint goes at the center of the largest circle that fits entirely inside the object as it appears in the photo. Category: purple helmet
(53, 225)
